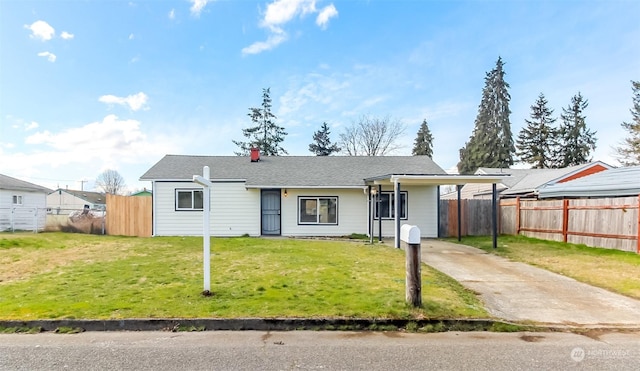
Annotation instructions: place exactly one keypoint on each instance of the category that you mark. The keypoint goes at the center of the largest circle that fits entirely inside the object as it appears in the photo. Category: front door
(270, 211)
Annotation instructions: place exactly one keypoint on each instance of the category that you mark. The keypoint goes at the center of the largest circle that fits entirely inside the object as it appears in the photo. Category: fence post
(638, 250)
(410, 237)
(518, 216)
(565, 219)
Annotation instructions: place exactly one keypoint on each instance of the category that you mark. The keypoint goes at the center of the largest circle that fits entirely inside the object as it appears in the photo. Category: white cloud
(66, 35)
(30, 126)
(106, 141)
(271, 42)
(41, 30)
(50, 56)
(280, 12)
(197, 6)
(135, 101)
(325, 15)
(172, 14)
(131, 36)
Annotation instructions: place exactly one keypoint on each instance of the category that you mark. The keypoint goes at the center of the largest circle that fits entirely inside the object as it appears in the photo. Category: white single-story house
(22, 204)
(299, 195)
(64, 201)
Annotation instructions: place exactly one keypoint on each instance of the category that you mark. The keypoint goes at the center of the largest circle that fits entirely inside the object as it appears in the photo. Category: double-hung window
(189, 199)
(317, 210)
(385, 208)
(17, 200)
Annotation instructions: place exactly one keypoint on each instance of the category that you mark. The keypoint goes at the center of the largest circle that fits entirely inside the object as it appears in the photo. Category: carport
(435, 180)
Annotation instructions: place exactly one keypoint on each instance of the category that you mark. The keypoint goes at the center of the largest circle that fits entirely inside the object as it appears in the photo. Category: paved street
(252, 350)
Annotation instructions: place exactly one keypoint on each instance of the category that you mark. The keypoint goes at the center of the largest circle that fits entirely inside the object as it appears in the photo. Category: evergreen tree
(577, 141)
(423, 145)
(491, 143)
(266, 135)
(322, 145)
(536, 142)
(629, 151)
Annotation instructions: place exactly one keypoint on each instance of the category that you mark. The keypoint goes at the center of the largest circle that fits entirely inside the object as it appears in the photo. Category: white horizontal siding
(352, 213)
(234, 211)
(421, 211)
(32, 212)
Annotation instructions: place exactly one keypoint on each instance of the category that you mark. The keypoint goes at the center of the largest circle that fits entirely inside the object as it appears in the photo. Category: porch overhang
(436, 180)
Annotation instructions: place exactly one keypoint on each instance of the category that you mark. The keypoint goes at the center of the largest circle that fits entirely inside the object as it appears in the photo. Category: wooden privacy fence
(603, 222)
(475, 217)
(129, 216)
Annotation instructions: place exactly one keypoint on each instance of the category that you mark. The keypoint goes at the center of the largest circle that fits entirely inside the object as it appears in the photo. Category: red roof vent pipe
(255, 155)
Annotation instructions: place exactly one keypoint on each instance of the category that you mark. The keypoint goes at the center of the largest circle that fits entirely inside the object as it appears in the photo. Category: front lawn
(65, 276)
(614, 270)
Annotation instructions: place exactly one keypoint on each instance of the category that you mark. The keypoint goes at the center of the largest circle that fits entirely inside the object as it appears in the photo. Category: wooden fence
(475, 217)
(602, 222)
(129, 216)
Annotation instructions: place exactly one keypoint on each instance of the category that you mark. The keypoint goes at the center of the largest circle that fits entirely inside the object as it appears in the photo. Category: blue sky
(92, 85)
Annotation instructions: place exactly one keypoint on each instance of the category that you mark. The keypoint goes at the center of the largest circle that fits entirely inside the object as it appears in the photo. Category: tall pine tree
(266, 135)
(491, 143)
(577, 141)
(322, 145)
(536, 142)
(423, 145)
(629, 151)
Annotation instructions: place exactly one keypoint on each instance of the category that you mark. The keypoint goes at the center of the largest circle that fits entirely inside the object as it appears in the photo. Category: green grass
(73, 276)
(614, 270)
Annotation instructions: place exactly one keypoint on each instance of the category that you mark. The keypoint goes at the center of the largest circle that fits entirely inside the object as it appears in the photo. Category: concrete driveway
(520, 292)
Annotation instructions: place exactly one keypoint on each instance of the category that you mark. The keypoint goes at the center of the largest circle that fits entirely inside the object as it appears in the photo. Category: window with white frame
(317, 210)
(17, 200)
(385, 209)
(189, 199)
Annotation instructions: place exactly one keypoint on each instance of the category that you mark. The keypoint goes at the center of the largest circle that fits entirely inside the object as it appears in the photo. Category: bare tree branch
(372, 136)
(110, 181)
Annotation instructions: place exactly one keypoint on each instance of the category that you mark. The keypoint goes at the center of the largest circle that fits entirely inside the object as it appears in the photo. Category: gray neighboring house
(22, 204)
(620, 182)
(526, 183)
(295, 195)
(63, 201)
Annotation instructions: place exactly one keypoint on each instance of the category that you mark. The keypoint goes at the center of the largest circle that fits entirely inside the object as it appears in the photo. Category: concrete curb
(292, 324)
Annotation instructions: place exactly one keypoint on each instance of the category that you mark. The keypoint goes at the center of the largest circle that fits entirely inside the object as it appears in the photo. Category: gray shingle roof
(291, 171)
(96, 198)
(7, 182)
(624, 181)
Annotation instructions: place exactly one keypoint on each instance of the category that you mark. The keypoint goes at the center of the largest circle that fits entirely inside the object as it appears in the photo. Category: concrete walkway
(520, 292)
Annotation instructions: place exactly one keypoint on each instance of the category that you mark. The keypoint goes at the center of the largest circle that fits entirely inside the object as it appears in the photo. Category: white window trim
(317, 198)
(405, 209)
(187, 190)
(17, 200)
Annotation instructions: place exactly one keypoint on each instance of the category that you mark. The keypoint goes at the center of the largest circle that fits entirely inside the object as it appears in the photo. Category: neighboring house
(145, 192)
(64, 201)
(525, 182)
(22, 204)
(297, 195)
(620, 182)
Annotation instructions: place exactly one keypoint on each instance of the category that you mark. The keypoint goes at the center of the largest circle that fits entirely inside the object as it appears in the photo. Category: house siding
(588, 171)
(352, 213)
(422, 212)
(235, 210)
(25, 216)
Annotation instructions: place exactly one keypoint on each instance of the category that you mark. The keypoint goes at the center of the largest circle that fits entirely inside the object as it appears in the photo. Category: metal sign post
(205, 182)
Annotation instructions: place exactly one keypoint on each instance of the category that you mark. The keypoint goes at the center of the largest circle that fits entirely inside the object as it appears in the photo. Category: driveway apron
(519, 292)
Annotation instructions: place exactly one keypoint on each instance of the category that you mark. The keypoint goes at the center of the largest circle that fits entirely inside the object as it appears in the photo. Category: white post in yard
(205, 182)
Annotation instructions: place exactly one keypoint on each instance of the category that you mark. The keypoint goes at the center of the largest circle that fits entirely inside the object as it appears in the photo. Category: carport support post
(410, 236)
(205, 182)
(396, 197)
(459, 187)
(494, 214)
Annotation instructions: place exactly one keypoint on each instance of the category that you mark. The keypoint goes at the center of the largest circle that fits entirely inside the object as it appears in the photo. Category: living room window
(317, 210)
(189, 199)
(17, 200)
(386, 207)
